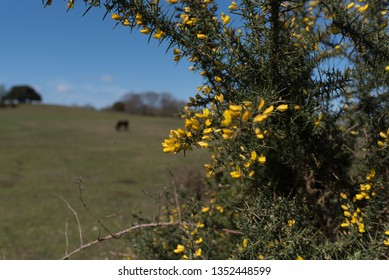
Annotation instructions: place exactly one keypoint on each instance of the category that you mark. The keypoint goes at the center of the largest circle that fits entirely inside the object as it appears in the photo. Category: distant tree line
(18, 95)
(149, 103)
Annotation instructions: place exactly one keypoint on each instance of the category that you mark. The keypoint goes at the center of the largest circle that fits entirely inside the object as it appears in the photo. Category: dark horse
(122, 124)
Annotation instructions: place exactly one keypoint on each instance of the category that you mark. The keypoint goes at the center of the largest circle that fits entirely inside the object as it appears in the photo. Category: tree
(3, 92)
(294, 110)
(118, 106)
(152, 104)
(22, 94)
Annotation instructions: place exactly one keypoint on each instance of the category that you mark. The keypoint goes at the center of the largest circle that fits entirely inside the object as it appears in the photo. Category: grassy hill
(48, 152)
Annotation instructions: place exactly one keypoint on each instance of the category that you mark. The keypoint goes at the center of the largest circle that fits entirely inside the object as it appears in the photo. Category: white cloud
(63, 88)
(106, 78)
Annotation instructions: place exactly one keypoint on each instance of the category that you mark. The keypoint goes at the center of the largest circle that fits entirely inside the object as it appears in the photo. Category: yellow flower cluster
(353, 215)
(384, 139)
(209, 209)
(189, 20)
(159, 34)
(174, 143)
(218, 126)
(225, 18)
(117, 17)
(353, 218)
(192, 248)
(386, 241)
(291, 222)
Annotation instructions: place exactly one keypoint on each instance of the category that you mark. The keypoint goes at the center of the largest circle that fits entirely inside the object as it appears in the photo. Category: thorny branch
(133, 228)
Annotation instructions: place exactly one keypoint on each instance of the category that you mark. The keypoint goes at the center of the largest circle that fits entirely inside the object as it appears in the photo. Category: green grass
(46, 150)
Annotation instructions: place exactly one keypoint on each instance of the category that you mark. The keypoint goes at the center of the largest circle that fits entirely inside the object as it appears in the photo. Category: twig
(176, 196)
(75, 214)
(66, 237)
(177, 203)
(118, 235)
(136, 227)
(79, 185)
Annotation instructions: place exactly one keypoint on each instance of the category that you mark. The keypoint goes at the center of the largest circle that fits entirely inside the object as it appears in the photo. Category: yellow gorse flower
(343, 195)
(282, 108)
(260, 118)
(200, 224)
(116, 17)
(361, 228)
(236, 109)
(203, 144)
(269, 110)
(262, 159)
(291, 222)
(236, 174)
(173, 143)
(359, 196)
(70, 4)
(126, 22)
(245, 116)
(225, 18)
(180, 248)
(259, 133)
(385, 139)
(227, 133)
(261, 104)
(349, 6)
(199, 241)
(176, 51)
(159, 34)
(138, 19)
(347, 214)
(145, 30)
(233, 6)
(198, 252)
(363, 8)
(219, 98)
(253, 155)
(371, 175)
(227, 118)
(346, 223)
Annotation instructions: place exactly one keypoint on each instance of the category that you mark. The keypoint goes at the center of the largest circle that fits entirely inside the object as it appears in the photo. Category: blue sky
(75, 60)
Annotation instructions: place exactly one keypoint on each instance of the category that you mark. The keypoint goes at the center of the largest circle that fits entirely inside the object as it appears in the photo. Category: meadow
(49, 153)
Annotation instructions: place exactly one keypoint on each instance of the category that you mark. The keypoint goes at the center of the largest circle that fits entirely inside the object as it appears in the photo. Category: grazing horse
(122, 124)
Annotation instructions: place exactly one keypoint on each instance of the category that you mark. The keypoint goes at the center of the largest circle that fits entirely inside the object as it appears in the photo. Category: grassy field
(46, 151)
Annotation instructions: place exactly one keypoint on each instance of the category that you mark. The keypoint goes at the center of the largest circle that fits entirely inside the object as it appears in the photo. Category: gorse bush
(294, 110)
